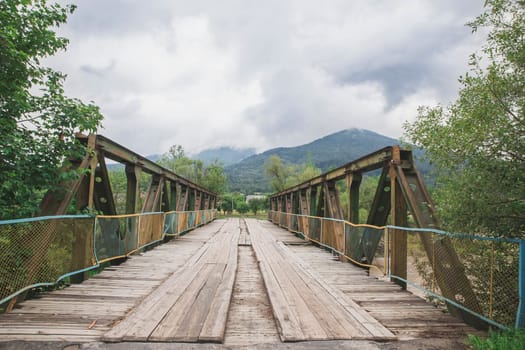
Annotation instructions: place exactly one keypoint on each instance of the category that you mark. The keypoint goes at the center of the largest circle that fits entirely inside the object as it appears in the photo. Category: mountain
(326, 153)
(225, 155)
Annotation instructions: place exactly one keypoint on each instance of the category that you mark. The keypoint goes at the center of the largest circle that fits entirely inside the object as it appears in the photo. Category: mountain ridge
(224, 155)
(327, 152)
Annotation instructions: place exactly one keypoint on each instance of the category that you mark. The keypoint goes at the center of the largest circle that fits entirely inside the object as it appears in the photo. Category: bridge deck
(235, 283)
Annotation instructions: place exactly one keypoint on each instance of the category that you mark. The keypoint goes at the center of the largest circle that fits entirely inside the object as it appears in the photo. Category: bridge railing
(491, 265)
(42, 251)
(340, 236)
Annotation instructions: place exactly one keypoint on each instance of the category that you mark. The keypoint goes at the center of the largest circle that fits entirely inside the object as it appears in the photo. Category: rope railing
(42, 251)
(494, 266)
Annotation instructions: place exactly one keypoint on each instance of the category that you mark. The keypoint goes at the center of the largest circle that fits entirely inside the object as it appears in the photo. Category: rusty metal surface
(92, 188)
(400, 191)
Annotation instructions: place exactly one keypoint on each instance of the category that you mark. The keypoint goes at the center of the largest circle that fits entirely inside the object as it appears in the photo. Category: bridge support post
(520, 315)
(132, 190)
(398, 238)
(353, 182)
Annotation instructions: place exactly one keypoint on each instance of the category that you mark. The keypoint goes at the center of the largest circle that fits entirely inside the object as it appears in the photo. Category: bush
(505, 340)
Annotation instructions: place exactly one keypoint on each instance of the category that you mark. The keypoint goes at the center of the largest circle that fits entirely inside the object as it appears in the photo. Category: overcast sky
(251, 73)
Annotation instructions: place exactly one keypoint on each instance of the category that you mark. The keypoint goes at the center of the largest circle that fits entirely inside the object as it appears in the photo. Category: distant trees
(38, 121)
(258, 204)
(277, 172)
(211, 177)
(227, 203)
(242, 207)
(477, 144)
(282, 176)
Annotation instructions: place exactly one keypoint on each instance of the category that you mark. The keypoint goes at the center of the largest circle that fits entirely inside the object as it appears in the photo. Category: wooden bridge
(247, 282)
(236, 282)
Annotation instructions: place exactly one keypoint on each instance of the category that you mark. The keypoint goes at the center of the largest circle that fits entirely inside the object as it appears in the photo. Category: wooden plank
(197, 308)
(337, 317)
(290, 283)
(195, 318)
(360, 316)
(177, 311)
(296, 294)
(250, 318)
(140, 323)
(171, 325)
(338, 324)
(214, 326)
(287, 324)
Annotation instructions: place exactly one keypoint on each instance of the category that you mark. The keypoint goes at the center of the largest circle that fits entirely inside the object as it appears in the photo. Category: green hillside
(326, 153)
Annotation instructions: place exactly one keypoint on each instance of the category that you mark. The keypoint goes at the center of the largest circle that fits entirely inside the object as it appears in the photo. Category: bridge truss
(401, 199)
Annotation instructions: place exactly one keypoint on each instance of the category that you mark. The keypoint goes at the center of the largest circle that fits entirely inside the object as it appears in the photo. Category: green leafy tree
(37, 121)
(242, 207)
(256, 204)
(119, 186)
(283, 176)
(277, 172)
(212, 177)
(477, 143)
(302, 173)
(226, 203)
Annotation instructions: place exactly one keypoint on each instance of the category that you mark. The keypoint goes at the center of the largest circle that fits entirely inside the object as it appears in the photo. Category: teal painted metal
(69, 274)
(47, 284)
(442, 298)
(458, 235)
(42, 218)
(520, 315)
(96, 243)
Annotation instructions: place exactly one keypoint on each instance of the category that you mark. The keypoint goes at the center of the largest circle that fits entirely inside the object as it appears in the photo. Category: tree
(226, 203)
(214, 178)
(277, 172)
(256, 204)
(211, 177)
(302, 173)
(283, 176)
(242, 207)
(477, 144)
(38, 122)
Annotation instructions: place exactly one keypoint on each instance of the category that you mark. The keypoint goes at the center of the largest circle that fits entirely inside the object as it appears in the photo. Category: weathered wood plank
(317, 309)
(213, 329)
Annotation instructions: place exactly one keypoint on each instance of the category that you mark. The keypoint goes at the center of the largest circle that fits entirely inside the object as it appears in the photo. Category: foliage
(277, 172)
(37, 121)
(283, 176)
(226, 203)
(367, 191)
(329, 152)
(301, 173)
(477, 143)
(214, 178)
(257, 204)
(229, 202)
(211, 177)
(119, 187)
(505, 340)
(242, 207)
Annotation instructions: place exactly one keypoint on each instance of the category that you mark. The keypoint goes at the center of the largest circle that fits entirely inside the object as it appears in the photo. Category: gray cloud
(262, 74)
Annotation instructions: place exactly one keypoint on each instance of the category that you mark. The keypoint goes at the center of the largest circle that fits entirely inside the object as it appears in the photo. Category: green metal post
(520, 315)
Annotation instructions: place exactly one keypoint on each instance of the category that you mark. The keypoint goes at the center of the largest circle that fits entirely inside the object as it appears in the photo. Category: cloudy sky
(250, 73)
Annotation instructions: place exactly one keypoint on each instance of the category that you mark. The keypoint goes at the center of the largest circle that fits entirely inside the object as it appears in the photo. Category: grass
(513, 339)
(260, 215)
